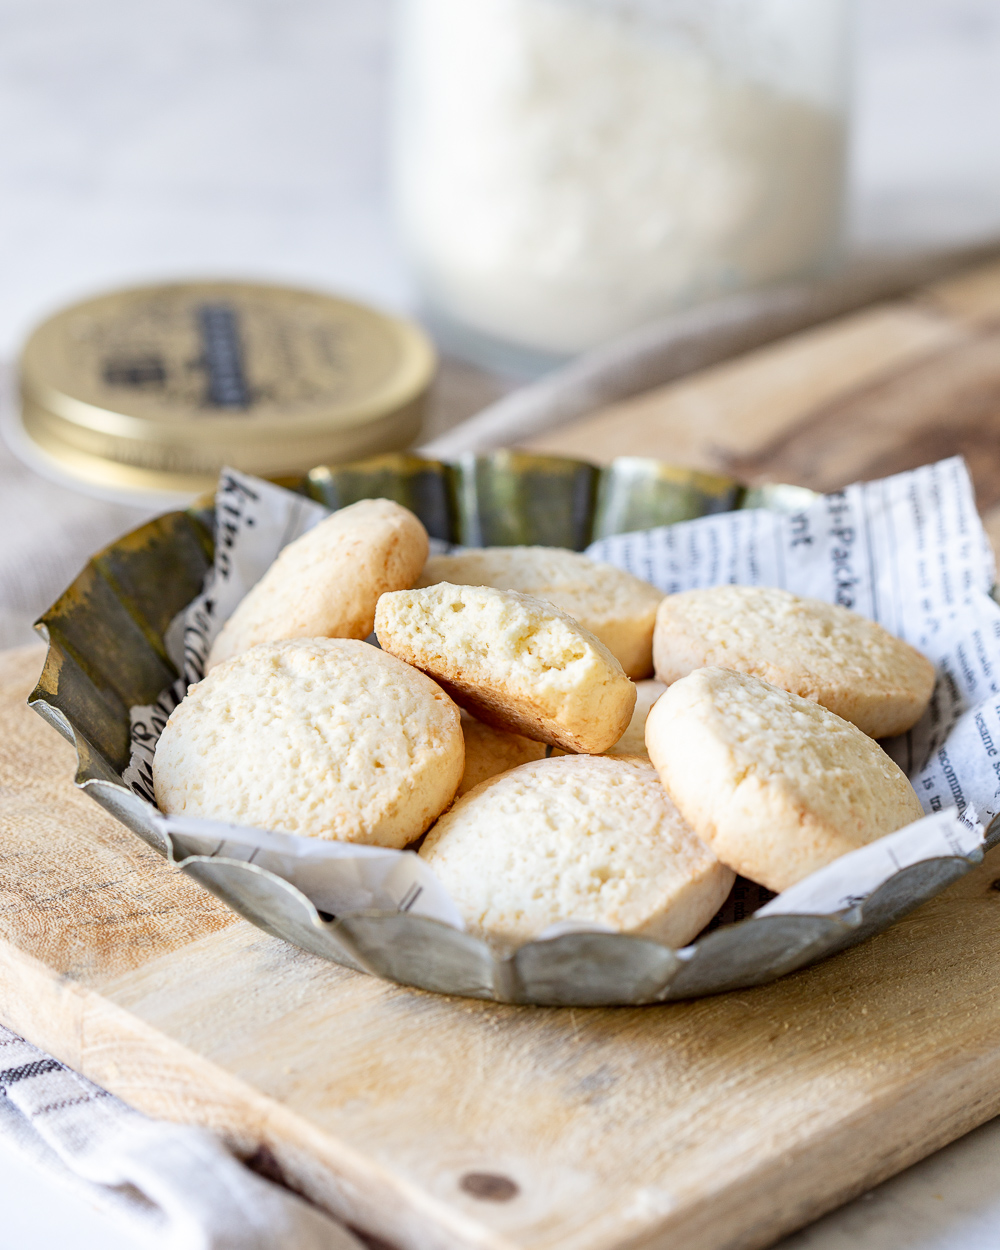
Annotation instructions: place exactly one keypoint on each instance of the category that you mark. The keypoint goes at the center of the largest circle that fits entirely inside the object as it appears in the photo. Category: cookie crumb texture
(517, 663)
(774, 783)
(838, 658)
(326, 738)
(613, 605)
(326, 583)
(576, 838)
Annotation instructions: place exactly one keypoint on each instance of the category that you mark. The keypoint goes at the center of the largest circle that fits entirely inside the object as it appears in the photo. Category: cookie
(817, 650)
(633, 740)
(322, 737)
(515, 662)
(326, 583)
(775, 784)
(490, 751)
(612, 604)
(583, 838)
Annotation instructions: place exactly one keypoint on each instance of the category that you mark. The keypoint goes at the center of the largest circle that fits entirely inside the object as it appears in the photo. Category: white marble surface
(949, 1201)
(246, 137)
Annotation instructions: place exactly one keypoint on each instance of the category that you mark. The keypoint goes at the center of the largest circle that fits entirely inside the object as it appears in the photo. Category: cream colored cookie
(612, 604)
(576, 838)
(633, 740)
(490, 751)
(324, 737)
(817, 650)
(632, 743)
(326, 583)
(515, 662)
(775, 784)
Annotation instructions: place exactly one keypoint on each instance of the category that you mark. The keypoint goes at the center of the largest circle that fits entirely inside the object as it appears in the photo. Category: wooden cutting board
(432, 1122)
(889, 388)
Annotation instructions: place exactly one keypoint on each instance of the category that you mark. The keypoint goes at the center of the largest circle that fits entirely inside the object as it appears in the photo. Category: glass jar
(566, 170)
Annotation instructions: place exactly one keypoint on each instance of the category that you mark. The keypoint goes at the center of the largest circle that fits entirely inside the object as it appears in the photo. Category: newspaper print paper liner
(908, 551)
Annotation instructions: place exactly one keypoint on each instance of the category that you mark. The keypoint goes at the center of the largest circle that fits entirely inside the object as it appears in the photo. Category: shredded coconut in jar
(567, 169)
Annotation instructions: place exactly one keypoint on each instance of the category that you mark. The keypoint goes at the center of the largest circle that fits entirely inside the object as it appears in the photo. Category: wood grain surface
(873, 393)
(443, 1123)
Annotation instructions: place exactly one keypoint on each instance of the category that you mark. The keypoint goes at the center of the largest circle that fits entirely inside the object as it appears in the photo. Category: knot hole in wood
(489, 1186)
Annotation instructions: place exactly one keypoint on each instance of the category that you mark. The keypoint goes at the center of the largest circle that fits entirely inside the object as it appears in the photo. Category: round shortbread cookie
(849, 664)
(515, 662)
(326, 583)
(612, 604)
(576, 838)
(324, 737)
(490, 751)
(775, 784)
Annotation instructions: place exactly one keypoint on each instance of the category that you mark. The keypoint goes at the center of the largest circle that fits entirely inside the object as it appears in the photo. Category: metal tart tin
(106, 654)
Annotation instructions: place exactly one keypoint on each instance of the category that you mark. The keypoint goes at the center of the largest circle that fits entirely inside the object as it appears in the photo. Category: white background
(246, 137)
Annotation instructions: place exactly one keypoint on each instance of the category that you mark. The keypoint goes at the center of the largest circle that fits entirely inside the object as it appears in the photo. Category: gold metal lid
(155, 388)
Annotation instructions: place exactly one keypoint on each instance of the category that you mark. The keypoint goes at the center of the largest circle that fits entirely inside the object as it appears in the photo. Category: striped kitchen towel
(178, 1187)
